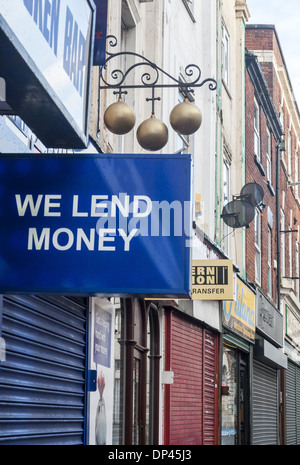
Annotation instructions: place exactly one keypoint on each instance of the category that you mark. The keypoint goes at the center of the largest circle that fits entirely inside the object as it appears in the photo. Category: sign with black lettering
(212, 280)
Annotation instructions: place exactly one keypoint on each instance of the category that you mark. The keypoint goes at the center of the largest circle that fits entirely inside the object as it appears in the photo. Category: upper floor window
(282, 243)
(256, 131)
(289, 153)
(226, 194)
(269, 157)
(225, 55)
(296, 173)
(297, 269)
(269, 261)
(257, 243)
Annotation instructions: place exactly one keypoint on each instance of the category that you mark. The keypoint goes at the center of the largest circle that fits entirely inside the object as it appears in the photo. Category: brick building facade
(275, 232)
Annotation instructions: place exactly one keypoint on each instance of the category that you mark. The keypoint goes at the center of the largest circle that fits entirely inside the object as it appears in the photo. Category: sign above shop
(100, 33)
(240, 315)
(46, 58)
(212, 280)
(95, 225)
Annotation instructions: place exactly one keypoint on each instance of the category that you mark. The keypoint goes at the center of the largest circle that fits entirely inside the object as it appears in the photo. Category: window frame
(256, 126)
(225, 55)
(270, 262)
(257, 245)
(269, 156)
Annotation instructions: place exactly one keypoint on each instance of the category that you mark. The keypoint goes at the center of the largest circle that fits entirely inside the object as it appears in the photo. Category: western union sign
(212, 280)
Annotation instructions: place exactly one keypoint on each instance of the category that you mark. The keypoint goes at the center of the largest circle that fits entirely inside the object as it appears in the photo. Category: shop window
(137, 368)
(235, 397)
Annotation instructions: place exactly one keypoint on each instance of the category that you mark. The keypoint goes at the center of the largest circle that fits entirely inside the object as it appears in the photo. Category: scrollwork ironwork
(151, 77)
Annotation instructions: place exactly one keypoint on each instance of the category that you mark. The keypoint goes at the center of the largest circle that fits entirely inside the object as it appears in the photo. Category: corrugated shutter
(292, 404)
(193, 396)
(265, 405)
(42, 381)
(210, 388)
(298, 404)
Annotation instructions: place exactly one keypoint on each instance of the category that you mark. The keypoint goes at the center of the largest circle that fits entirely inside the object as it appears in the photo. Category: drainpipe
(279, 148)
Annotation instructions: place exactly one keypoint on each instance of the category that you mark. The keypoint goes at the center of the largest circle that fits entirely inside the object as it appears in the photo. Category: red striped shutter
(191, 401)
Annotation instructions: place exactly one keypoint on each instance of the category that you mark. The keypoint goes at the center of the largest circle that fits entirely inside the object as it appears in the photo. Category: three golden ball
(185, 118)
(119, 118)
(152, 134)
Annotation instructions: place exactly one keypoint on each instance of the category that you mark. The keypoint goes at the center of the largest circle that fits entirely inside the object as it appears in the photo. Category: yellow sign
(212, 280)
(240, 315)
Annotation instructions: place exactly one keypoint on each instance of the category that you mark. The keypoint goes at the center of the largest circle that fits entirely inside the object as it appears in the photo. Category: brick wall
(264, 40)
(253, 174)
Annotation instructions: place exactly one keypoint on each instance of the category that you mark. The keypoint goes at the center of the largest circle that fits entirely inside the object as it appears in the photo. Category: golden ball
(152, 134)
(119, 118)
(185, 118)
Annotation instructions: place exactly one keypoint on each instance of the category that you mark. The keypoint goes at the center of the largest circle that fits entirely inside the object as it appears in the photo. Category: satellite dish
(238, 213)
(252, 193)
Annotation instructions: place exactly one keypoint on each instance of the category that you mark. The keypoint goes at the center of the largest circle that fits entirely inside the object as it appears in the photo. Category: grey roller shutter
(265, 405)
(42, 380)
(292, 404)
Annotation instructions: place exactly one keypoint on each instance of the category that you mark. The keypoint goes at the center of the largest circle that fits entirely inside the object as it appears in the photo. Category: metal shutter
(42, 381)
(292, 404)
(210, 402)
(193, 395)
(265, 405)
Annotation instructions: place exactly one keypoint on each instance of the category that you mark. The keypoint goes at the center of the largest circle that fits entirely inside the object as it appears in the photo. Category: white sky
(285, 16)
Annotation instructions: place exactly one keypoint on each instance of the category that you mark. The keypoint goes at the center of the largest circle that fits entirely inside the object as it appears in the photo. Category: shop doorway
(235, 397)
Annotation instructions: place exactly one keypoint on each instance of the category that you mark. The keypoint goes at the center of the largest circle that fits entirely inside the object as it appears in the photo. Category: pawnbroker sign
(95, 225)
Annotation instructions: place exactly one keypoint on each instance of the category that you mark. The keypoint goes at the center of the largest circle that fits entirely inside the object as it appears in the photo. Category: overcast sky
(285, 16)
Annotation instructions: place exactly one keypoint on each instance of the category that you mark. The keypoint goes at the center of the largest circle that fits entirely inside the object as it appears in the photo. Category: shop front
(239, 319)
(269, 364)
(96, 352)
(191, 395)
(292, 397)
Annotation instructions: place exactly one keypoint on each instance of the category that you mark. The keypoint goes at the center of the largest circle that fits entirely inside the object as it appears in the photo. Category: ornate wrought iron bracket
(150, 78)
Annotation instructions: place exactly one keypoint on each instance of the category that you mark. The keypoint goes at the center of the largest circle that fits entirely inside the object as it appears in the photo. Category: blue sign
(102, 336)
(95, 224)
(100, 32)
(46, 56)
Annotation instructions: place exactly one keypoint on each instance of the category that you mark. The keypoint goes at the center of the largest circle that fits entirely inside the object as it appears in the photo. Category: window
(137, 370)
(257, 243)
(184, 142)
(226, 191)
(269, 157)
(296, 173)
(290, 234)
(282, 243)
(270, 261)
(225, 55)
(256, 131)
(289, 154)
(297, 269)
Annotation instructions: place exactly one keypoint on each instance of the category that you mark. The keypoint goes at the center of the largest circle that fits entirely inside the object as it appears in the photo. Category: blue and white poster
(96, 225)
(101, 401)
